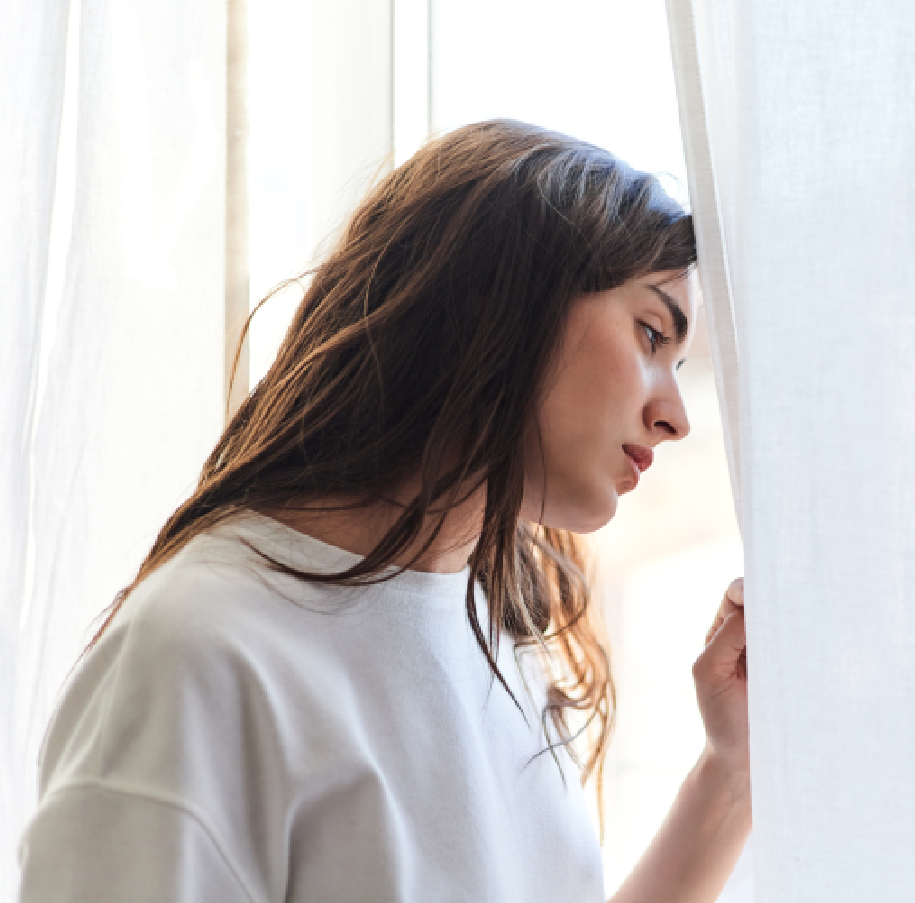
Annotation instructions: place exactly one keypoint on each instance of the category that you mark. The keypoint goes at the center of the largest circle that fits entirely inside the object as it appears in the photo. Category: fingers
(720, 674)
(735, 591)
(725, 654)
(732, 601)
(731, 636)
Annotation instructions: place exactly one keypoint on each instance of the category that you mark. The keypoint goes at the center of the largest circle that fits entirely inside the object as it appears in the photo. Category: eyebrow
(681, 324)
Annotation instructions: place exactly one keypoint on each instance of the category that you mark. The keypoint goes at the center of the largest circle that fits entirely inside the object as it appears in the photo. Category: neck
(359, 530)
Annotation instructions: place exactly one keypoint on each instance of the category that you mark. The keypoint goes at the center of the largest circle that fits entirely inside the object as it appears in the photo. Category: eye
(655, 338)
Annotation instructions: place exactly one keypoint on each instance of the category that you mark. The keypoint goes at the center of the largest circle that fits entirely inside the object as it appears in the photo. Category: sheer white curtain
(113, 333)
(31, 99)
(800, 134)
(113, 274)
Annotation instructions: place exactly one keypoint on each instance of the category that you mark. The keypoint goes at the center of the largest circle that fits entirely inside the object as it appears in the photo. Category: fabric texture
(112, 181)
(806, 184)
(703, 59)
(32, 64)
(239, 735)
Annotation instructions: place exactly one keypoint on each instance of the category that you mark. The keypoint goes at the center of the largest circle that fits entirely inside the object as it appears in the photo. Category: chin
(586, 517)
(596, 523)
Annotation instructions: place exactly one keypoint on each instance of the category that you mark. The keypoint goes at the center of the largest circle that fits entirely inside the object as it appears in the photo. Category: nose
(665, 414)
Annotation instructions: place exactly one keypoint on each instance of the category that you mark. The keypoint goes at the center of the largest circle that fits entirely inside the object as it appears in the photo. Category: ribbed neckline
(307, 553)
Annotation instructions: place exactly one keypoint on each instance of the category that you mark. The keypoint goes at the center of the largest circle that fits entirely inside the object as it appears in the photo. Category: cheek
(586, 414)
(598, 391)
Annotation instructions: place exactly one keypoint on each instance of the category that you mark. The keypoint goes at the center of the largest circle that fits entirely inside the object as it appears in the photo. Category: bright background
(599, 70)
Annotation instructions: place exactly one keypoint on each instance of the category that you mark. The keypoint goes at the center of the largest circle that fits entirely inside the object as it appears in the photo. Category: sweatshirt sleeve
(90, 841)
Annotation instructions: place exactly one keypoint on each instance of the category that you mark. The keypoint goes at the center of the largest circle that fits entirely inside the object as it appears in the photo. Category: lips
(641, 456)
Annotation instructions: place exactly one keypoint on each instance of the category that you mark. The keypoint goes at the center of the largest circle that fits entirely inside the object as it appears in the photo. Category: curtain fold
(101, 448)
(701, 54)
(32, 65)
(114, 345)
(807, 184)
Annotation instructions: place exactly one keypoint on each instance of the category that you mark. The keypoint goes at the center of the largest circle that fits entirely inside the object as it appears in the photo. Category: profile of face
(610, 398)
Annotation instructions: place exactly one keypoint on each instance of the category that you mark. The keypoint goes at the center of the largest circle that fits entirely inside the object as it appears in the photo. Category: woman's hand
(720, 674)
(702, 837)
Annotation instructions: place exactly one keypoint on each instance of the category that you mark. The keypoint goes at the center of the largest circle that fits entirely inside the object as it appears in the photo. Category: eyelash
(655, 338)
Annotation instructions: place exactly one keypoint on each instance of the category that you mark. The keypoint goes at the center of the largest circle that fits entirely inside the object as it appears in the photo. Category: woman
(360, 662)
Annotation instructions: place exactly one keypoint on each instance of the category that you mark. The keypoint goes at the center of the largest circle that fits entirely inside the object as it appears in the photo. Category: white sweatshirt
(241, 736)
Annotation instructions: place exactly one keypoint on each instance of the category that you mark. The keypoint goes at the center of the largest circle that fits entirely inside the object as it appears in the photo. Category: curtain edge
(714, 275)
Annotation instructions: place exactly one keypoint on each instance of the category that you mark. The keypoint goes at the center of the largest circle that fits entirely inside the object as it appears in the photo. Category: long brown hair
(421, 348)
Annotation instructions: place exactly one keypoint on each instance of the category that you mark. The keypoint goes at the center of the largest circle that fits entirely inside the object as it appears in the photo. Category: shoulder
(213, 691)
(222, 602)
(207, 653)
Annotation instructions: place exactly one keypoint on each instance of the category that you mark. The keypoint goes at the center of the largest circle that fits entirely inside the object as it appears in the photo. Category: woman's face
(610, 399)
